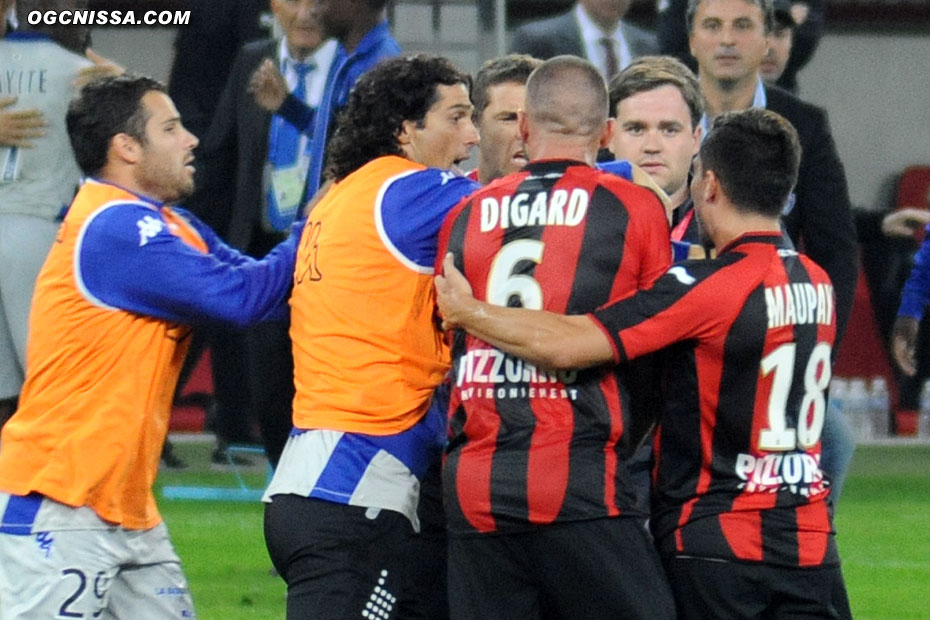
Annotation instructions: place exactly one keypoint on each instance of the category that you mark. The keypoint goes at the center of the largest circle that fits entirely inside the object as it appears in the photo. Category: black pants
(604, 568)
(752, 591)
(338, 561)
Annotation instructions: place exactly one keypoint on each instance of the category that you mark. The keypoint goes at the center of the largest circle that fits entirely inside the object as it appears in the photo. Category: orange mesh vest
(94, 409)
(367, 356)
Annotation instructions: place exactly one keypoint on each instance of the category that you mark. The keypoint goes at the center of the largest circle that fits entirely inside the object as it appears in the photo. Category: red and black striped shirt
(527, 446)
(737, 473)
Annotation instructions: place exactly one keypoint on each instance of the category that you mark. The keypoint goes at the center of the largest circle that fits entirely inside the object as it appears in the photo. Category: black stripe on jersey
(679, 424)
(601, 252)
(510, 465)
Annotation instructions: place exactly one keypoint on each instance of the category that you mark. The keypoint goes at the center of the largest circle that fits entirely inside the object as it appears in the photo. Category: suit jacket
(821, 220)
(562, 35)
(234, 153)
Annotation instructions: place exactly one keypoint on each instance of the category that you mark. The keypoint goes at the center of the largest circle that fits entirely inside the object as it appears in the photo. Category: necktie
(610, 57)
(283, 143)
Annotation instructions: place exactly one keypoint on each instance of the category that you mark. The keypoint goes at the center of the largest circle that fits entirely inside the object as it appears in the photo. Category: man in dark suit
(236, 180)
(729, 39)
(593, 29)
(806, 15)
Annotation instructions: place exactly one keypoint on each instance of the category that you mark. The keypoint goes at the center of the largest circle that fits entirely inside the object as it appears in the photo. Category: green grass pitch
(883, 526)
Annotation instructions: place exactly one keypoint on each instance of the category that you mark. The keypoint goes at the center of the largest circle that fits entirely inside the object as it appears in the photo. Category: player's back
(738, 475)
(563, 237)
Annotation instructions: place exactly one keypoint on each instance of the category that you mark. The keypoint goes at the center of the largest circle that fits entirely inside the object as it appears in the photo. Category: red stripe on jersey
(813, 533)
(473, 473)
(611, 392)
(548, 458)
(685, 516)
(710, 370)
(743, 531)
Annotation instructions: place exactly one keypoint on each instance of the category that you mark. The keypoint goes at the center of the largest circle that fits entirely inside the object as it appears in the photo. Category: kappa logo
(681, 274)
(148, 228)
(446, 177)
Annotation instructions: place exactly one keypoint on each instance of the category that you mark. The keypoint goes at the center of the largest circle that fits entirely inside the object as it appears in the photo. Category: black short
(604, 568)
(337, 562)
(706, 588)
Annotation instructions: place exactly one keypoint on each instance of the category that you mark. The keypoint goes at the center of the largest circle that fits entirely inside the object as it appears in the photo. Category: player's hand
(453, 294)
(102, 67)
(904, 343)
(268, 87)
(18, 127)
(904, 222)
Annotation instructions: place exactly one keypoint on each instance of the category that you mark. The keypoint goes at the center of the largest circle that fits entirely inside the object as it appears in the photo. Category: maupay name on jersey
(799, 303)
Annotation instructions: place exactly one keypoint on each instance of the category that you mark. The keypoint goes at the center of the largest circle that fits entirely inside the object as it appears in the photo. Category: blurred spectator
(658, 107)
(818, 214)
(253, 155)
(38, 174)
(7, 16)
(807, 15)
(780, 42)
(592, 29)
(497, 93)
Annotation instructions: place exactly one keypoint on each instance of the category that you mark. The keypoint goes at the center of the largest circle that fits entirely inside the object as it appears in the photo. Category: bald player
(537, 496)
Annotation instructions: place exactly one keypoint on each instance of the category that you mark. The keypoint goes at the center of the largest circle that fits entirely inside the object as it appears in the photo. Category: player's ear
(125, 148)
(711, 186)
(405, 139)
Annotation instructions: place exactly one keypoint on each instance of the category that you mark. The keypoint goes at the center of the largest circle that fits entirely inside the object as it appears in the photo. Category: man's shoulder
(793, 107)
(547, 26)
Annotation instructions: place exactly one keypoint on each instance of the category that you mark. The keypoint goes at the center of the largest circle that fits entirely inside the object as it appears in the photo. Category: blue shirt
(916, 292)
(128, 258)
(345, 70)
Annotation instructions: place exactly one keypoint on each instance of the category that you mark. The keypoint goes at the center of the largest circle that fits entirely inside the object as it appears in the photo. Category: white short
(104, 572)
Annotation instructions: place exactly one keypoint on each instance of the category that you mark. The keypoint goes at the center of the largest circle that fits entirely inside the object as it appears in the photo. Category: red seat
(914, 191)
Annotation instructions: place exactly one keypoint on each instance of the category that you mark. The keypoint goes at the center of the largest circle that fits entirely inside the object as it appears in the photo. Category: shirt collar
(759, 100)
(155, 203)
(767, 237)
(590, 31)
(287, 62)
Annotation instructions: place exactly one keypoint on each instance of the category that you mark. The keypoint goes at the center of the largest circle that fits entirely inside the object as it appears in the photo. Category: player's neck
(726, 96)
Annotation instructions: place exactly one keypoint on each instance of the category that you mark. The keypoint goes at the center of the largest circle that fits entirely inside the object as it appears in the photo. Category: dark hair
(101, 110)
(514, 68)
(755, 154)
(648, 73)
(768, 15)
(568, 95)
(396, 90)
